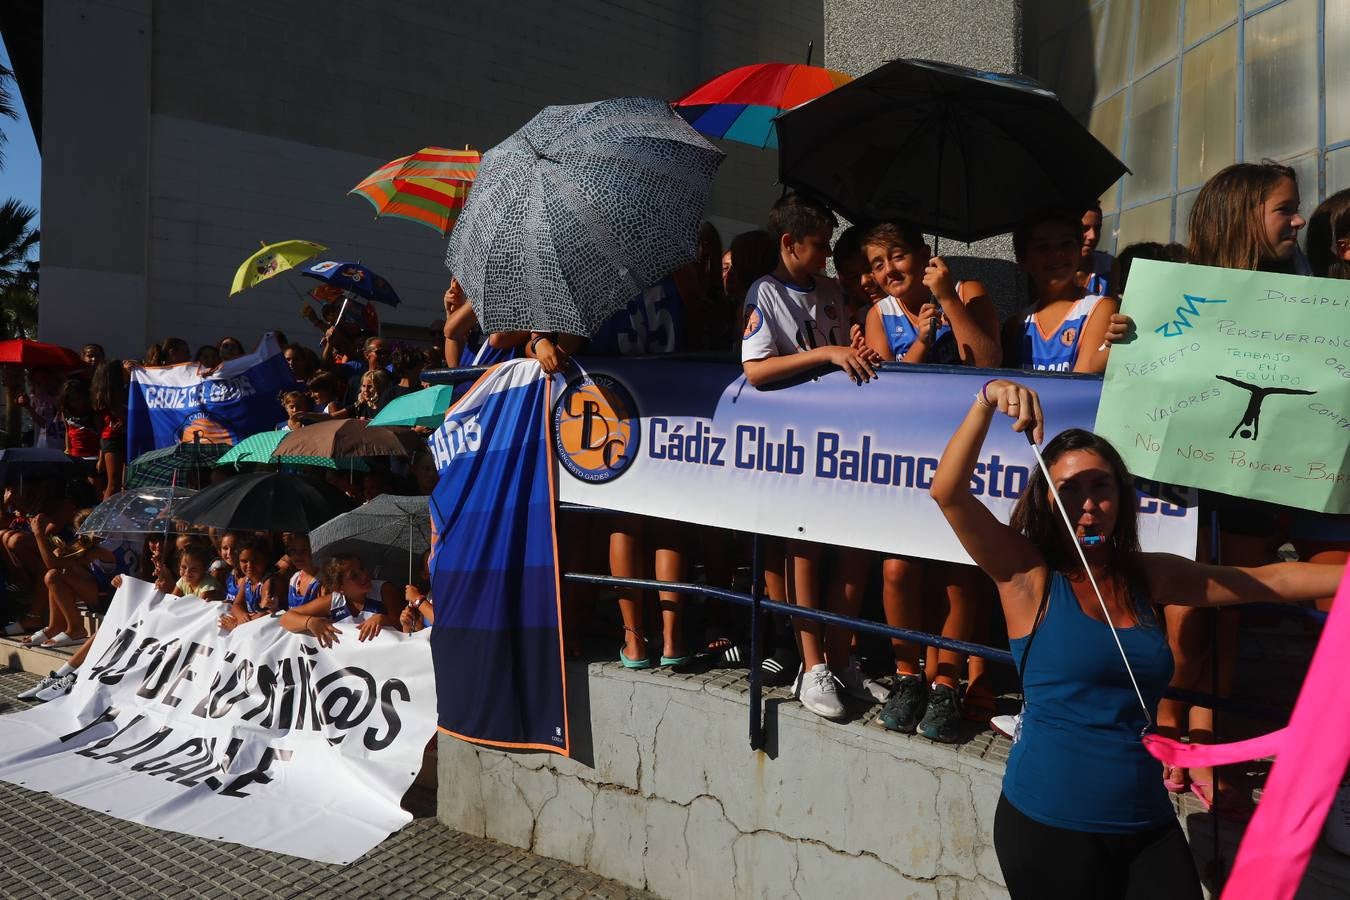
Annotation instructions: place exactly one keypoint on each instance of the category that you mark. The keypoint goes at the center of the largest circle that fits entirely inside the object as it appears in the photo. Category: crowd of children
(892, 301)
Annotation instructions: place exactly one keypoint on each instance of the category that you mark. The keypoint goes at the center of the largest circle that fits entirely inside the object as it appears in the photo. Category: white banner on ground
(259, 737)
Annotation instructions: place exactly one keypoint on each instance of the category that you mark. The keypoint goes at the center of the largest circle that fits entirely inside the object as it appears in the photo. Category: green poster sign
(1236, 382)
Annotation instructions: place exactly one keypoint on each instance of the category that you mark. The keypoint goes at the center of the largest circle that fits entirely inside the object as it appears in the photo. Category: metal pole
(1216, 556)
(756, 649)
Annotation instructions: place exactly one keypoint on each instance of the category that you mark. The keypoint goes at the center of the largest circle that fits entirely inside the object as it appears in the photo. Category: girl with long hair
(1245, 217)
(108, 396)
(1082, 811)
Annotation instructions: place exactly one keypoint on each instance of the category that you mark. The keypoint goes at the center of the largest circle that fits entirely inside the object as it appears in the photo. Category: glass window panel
(1208, 109)
(1077, 75)
(1338, 170)
(1107, 124)
(1183, 215)
(1047, 72)
(1150, 143)
(1150, 222)
(1113, 43)
(1338, 70)
(1306, 169)
(1281, 82)
(1156, 41)
(1206, 16)
(1110, 224)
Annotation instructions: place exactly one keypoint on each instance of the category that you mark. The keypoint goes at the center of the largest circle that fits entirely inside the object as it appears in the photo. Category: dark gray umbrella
(264, 501)
(578, 211)
(387, 533)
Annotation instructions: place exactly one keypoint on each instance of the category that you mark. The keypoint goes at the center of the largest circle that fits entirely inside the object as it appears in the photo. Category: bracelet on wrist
(983, 394)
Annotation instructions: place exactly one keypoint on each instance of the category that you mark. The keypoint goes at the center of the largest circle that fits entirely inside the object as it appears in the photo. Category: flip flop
(1198, 789)
(633, 663)
(63, 640)
(1172, 785)
(676, 660)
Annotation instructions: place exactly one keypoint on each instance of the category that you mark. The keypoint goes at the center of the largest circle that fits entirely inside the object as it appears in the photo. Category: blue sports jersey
(294, 597)
(1057, 351)
(339, 610)
(901, 333)
(653, 322)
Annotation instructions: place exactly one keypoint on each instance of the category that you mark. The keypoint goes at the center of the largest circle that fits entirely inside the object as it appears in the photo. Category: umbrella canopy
(261, 447)
(425, 407)
(578, 211)
(353, 278)
(171, 465)
(37, 355)
(341, 438)
(958, 152)
(17, 463)
(428, 186)
(388, 533)
(140, 511)
(272, 259)
(264, 501)
(740, 105)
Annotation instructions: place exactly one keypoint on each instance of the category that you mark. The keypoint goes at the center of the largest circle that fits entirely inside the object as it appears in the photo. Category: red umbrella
(37, 355)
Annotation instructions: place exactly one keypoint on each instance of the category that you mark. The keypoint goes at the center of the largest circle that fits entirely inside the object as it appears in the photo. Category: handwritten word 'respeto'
(1306, 299)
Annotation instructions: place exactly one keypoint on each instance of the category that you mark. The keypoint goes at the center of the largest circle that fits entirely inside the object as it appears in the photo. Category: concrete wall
(179, 133)
(860, 35)
(674, 801)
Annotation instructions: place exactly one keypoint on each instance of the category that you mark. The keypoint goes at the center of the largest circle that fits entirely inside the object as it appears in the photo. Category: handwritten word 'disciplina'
(1184, 314)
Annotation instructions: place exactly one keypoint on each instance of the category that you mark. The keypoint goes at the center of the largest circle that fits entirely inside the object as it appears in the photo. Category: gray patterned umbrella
(579, 210)
(387, 533)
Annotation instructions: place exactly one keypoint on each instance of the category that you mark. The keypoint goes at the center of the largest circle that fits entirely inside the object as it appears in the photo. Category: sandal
(1174, 779)
(1198, 788)
(36, 638)
(633, 663)
(64, 640)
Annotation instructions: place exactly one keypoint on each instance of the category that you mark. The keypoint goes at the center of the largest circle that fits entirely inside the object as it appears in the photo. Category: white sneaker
(856, 684)
(59, 688)
(31, 694)
(817, 692)
(1008, 726)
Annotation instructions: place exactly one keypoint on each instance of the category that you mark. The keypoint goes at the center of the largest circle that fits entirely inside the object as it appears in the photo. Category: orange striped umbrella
(429, 186)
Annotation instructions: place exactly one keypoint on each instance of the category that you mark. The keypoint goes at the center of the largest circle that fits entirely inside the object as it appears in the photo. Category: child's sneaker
(816, 690)
(904, 709)
(1008, 726)
(31, 694)
(856, 684)
(941, 721)
(59, 688)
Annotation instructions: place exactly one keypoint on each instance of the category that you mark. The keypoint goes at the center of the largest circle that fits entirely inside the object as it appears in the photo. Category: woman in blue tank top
(1083, 811)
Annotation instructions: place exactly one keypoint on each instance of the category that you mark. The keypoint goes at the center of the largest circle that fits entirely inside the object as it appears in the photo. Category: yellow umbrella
(272, 259)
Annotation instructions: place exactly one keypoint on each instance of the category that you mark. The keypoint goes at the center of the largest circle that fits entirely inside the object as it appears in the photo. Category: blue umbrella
(579, 210)
(353, 278)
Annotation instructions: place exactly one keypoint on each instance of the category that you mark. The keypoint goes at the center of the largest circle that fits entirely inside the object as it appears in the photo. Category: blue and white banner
(494, 569)
(170, 404)
(820, 459)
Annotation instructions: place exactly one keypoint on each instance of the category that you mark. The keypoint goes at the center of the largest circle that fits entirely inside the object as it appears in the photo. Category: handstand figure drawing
(1250, 426)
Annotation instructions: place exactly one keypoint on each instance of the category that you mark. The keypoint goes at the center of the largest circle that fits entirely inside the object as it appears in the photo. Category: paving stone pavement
(53, 849)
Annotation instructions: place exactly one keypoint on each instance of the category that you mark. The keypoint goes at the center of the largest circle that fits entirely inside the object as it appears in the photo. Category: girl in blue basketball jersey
(254, 593)
(1067, 329)
(907, 325)
(351, 596)
(303, 584)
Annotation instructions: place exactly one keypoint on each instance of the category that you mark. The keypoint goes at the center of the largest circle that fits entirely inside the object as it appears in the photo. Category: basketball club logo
(1069, 336)
(753, 320)
(596, 429)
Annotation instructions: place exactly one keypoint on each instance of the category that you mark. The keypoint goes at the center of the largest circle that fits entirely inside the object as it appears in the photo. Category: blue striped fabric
(496, 640)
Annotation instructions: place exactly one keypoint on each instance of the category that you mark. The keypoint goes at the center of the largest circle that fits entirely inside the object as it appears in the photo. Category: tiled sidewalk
(53, 849)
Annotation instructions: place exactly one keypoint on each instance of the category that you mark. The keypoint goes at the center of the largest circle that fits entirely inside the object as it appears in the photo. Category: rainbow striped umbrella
(429, 186)
(740, 105)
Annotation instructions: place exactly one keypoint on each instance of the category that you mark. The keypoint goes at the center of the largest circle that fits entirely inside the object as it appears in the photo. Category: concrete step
(38, 660)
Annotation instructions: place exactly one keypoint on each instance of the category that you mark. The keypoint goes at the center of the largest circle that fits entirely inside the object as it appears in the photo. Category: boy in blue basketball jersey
(796, 320)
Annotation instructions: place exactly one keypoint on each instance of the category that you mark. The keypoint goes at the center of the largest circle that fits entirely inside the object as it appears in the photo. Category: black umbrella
(37, 462)
(264, 501)
(958, 152)
(387, 533)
